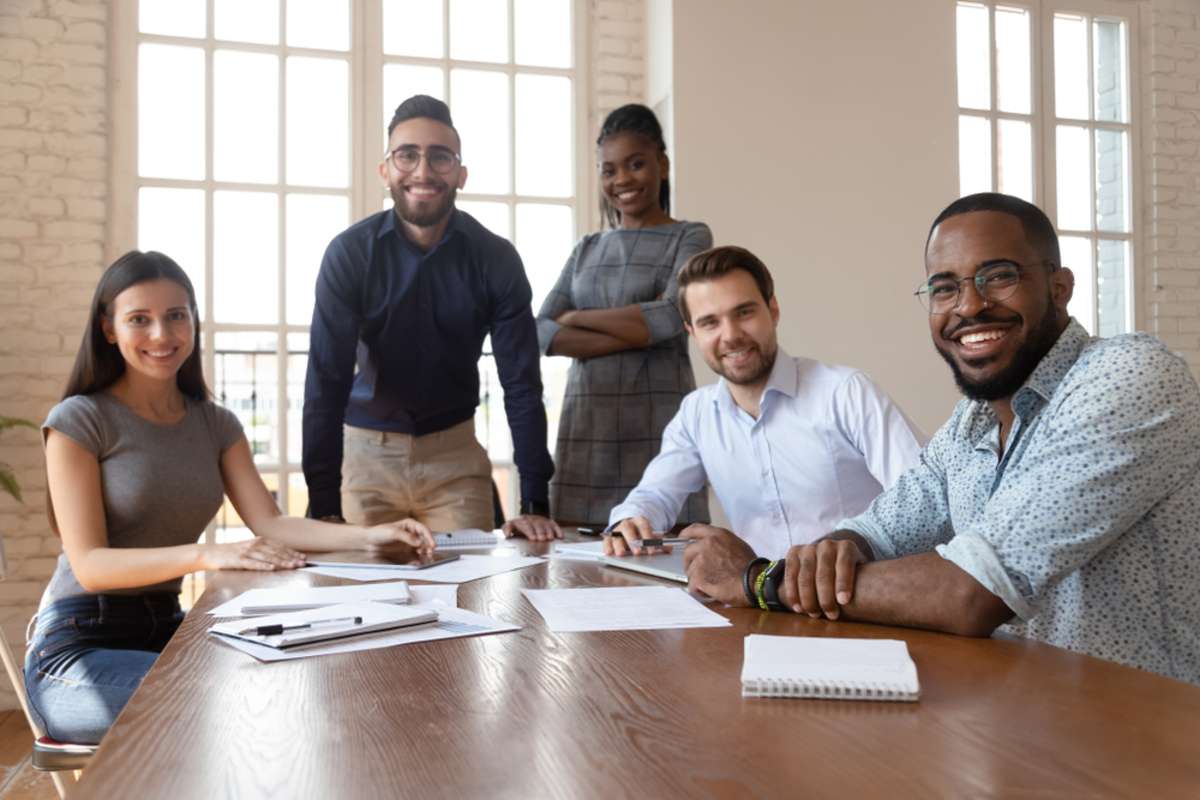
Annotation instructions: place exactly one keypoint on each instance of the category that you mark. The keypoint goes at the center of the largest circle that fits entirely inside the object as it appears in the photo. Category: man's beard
(426, 217)
(1005, 384)
(766, 364)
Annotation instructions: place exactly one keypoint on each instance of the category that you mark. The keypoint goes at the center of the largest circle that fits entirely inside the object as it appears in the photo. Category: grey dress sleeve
(557, 302)
(662, 315)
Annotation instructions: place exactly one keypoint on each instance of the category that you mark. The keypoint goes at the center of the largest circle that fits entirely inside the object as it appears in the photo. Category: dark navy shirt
(414, 324)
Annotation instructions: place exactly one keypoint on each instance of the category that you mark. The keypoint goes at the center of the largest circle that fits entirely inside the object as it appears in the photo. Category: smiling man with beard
(789, 445)
(1063, 495)
(407, 296)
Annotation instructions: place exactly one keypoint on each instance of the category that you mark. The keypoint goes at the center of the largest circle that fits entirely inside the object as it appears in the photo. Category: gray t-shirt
(161, 484)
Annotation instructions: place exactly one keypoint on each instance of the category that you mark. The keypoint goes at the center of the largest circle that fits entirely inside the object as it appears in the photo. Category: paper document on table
(299, 598)
(452, 623)
(622, 609)
(584, 551)
(444, 593)
(467, 568)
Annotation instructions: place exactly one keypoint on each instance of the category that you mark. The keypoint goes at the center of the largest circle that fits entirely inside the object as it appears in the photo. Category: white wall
(822, 136)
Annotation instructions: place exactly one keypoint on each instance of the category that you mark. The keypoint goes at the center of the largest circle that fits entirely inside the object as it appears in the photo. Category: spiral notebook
(835, 669)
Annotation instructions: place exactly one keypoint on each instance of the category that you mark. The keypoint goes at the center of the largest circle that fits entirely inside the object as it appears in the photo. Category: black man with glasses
(404, 300)
(1062, 498)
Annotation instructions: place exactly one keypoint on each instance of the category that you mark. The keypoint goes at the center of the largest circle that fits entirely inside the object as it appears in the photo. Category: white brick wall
(53, 210)
(617, 69)
(1172, 184)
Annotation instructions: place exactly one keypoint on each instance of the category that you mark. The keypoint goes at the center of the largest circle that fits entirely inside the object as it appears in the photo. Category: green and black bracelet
(746, 586)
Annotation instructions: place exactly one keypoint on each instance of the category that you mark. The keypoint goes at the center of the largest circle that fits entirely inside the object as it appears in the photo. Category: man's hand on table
(715, 562)
(819, 577)
(533, 527)
(632, 531)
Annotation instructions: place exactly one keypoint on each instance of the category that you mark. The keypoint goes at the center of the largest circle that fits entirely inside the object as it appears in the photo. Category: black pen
(275, 630)
(659, 542)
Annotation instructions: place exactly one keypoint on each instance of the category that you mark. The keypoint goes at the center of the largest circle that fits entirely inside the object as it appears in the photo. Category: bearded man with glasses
(1062, 498)
(404, 299)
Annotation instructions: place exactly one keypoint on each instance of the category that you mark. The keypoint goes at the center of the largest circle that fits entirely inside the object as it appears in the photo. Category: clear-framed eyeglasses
(407, 158)
(994, 281)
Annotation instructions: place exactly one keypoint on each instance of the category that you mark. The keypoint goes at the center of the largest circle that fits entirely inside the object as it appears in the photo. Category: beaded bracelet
(771, 585)
(746, 587)
(758, 586)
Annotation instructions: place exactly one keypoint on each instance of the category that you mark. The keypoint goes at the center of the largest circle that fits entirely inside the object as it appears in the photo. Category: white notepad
(468, 538)
(835, 669)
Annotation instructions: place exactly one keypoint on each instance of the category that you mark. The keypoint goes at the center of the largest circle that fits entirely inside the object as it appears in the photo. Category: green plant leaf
(8, 482)
(13, 422)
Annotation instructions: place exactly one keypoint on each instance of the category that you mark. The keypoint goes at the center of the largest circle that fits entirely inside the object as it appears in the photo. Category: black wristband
(748, 585)
(771, 586)
(535, 507)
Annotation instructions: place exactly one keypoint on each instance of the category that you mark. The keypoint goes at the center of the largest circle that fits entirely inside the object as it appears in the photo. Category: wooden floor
(18, 779)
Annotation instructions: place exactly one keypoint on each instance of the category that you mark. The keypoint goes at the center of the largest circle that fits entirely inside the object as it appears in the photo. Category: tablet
(415, 564)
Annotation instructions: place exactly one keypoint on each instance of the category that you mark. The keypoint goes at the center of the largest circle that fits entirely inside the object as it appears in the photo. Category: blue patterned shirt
(1088, 526)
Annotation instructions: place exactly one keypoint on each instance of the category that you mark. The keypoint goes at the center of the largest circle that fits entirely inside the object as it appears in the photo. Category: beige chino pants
(442, 479)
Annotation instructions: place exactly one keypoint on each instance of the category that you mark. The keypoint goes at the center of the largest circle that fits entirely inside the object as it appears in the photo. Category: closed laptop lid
(663, 565)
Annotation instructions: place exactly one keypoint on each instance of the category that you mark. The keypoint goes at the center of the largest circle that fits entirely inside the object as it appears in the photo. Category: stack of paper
(299, 598)
(621, 609)
(325, 624)
(451, 623)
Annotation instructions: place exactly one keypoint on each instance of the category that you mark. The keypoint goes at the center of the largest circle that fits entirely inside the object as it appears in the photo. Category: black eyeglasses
(440, 159)
(994, 281)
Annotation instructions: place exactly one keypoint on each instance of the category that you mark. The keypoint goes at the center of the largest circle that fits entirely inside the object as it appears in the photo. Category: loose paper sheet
(622, 608)
(466, 568)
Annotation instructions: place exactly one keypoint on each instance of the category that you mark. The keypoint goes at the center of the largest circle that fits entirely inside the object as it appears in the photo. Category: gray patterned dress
(616, 406)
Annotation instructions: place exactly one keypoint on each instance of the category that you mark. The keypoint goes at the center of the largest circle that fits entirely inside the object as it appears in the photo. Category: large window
(248, 136)
(1046, 113)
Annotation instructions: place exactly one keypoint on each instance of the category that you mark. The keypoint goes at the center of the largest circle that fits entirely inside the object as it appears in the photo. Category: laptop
(664, 565)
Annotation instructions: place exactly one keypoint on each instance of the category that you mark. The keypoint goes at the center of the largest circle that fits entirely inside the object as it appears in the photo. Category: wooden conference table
(646, 714)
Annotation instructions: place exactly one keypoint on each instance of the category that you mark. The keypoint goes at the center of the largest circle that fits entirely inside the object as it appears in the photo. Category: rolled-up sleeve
(1103, 463)
(662, 315)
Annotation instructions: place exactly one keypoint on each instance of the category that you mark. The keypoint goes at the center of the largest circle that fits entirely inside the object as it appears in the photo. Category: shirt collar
(1041, 384)
(784, 378)
(389, 226)
(1055, 365)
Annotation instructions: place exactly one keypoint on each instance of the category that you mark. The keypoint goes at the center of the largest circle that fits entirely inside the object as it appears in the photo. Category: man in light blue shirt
(790, 445)
(1062, 498)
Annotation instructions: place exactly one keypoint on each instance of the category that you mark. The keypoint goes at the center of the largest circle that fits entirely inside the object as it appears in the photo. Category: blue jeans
(89, 654)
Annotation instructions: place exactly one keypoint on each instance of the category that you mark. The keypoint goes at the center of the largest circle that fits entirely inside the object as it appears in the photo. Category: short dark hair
(717, 262)
(1039, 231)
(634, 118)
(99, 363)
(422, 105)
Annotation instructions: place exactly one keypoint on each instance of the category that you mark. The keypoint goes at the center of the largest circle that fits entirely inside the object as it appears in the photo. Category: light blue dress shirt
(1088, 525)
(826, 442)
